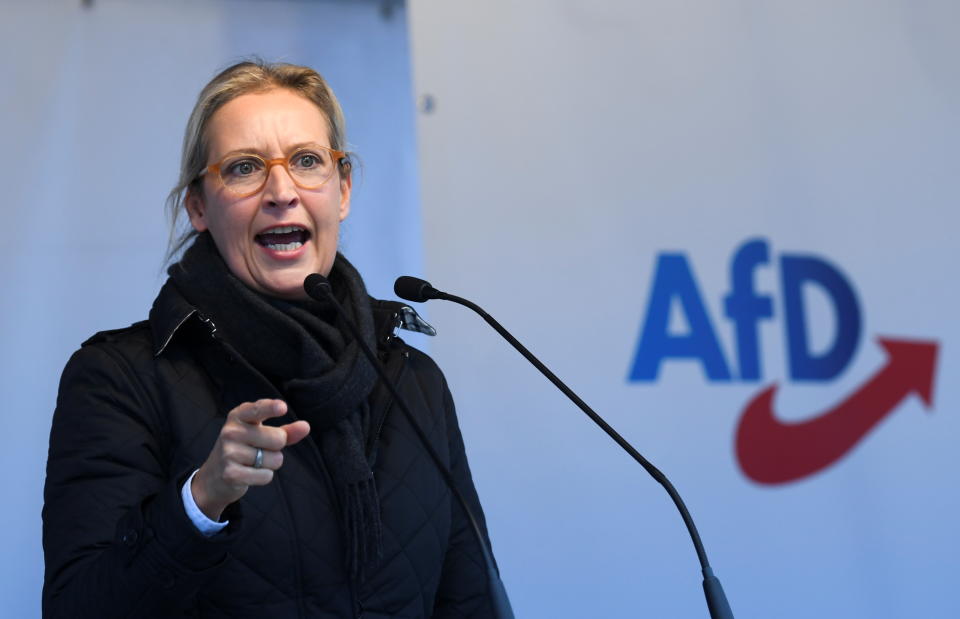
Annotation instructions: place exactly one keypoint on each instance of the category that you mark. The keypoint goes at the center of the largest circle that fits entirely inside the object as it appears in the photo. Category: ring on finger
(258, 459)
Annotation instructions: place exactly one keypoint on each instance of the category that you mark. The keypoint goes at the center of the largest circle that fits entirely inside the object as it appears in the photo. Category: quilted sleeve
(117, 541)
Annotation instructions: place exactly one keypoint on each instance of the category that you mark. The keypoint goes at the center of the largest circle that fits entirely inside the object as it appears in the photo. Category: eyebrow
(255, 151)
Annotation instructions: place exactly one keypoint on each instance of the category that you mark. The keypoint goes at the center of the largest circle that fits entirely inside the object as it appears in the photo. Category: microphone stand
(418, 290)
(318, 287)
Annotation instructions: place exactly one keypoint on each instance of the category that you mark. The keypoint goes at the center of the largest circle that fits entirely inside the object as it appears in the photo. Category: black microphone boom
(418, 290)
(318, 288)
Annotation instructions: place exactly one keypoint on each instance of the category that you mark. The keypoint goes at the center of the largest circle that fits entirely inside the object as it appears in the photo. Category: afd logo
(768, 450)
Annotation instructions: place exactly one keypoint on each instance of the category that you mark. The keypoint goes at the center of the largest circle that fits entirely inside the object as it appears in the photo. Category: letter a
(673, 280)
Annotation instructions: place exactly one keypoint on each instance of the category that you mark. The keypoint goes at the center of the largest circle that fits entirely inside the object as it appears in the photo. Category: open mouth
(283, 238)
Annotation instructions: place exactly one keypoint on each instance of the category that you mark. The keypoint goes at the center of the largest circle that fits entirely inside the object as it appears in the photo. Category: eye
(243, 167)
(307, 159)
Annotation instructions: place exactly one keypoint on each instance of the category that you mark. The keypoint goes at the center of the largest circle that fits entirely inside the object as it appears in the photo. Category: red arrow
(775, 452)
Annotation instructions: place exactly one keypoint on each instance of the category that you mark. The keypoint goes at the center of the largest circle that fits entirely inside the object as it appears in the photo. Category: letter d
(795, 271)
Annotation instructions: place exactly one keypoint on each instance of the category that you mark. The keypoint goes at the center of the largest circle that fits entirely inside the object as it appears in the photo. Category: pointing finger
(256, 412)
(296, 431)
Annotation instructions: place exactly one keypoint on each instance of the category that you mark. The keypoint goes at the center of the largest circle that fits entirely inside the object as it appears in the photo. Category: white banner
(730, 226)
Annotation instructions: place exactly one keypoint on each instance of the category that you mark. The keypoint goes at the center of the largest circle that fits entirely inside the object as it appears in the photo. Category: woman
(235, 454)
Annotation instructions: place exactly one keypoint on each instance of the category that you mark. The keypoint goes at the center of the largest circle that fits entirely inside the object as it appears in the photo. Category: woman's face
(253, 233)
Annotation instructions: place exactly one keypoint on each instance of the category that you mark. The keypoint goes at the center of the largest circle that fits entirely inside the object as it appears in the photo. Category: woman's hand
(229, 470)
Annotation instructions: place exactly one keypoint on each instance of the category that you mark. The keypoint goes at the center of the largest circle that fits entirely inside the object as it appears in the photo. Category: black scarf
(319, 369)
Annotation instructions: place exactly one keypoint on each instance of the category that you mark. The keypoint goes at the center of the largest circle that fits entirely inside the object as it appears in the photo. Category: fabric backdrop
(678, 205)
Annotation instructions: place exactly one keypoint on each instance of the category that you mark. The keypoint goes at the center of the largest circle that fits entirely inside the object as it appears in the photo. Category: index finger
(256, 412)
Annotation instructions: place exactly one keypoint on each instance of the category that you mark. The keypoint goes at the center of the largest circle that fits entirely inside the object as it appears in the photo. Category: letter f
(744, 307)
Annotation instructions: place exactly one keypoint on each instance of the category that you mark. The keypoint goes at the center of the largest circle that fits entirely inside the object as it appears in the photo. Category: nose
(279, 189)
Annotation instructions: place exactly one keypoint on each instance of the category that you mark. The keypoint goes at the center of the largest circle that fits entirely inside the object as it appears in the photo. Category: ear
(346, 185)
(196, 209)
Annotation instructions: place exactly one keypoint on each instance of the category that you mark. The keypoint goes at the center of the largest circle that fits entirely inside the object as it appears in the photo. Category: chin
(289, 286)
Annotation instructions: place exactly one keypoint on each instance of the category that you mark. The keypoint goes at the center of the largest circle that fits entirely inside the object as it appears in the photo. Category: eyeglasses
(244, 174)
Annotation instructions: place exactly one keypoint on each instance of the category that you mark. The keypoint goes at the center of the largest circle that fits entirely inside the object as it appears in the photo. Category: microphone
(414, 289)
(318, 288)
(418, 290)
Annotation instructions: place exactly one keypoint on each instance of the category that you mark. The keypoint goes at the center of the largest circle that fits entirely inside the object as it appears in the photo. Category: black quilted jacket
(140, 408)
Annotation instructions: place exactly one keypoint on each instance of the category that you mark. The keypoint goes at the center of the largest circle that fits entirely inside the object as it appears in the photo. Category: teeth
(283, 230)
(285, 246)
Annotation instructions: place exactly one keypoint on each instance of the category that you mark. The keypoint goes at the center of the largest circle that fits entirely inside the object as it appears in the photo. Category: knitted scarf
(319, 369)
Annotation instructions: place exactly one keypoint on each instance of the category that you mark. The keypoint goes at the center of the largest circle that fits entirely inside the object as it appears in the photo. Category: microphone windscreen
(317, 286)
(414, 289)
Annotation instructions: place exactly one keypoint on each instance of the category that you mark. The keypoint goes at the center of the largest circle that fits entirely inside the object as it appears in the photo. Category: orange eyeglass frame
(214, 168)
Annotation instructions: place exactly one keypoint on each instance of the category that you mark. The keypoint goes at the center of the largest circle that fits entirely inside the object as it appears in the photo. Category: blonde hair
(252, 76)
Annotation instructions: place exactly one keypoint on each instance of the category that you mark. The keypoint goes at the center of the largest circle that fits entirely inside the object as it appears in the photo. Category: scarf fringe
(362, 518)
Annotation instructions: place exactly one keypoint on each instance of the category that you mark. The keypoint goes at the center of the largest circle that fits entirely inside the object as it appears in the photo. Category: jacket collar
(171, 311)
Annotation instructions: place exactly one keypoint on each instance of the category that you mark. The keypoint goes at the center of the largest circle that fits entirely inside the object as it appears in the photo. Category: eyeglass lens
(309, 167)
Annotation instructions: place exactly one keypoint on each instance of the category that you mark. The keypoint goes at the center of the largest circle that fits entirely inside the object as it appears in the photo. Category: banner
(730, 227)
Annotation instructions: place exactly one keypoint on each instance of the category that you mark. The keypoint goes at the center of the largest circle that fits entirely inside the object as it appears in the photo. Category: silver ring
(258, 459)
